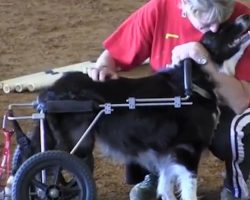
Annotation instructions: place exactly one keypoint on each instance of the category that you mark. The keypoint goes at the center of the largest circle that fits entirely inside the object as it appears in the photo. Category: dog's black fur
(155, 137)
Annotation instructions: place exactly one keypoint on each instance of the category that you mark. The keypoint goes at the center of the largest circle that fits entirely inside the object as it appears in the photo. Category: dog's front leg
(176, 179)
(187, 182)
(166, 182)
(165, 189)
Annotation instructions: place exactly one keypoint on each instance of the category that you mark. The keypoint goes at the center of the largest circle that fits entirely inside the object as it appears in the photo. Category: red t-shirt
(154, 30)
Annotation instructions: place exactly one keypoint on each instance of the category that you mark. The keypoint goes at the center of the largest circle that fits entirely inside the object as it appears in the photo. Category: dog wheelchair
(55, 174)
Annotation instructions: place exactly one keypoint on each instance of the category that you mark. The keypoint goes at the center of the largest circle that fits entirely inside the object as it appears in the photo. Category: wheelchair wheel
(53, 175)
(16, 159)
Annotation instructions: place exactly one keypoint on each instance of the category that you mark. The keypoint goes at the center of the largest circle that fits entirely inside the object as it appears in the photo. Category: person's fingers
(175, 59)
(202, 60)
(114, 76)
(103, 74)
(107, 73)
(179, 53)
(194, 51)
(93, 73)
(199, 54)
(89, 71)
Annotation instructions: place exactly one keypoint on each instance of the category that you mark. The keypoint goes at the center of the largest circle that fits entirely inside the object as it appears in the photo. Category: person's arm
(105, 68)
(130, 44)
(235, 93)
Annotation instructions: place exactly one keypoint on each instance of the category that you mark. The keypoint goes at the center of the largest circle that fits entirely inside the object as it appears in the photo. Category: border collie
(167, 141)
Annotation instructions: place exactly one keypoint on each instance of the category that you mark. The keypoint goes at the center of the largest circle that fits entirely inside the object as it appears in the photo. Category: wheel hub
(53, 192)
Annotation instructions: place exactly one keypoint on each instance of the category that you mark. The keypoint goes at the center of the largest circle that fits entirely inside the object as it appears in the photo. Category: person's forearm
(235, 93)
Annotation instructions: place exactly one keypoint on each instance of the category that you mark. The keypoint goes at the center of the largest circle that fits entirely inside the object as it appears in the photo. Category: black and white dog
(167, 141)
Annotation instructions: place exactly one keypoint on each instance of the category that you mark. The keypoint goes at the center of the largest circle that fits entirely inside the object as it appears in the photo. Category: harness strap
(21, 138)
(201, 91)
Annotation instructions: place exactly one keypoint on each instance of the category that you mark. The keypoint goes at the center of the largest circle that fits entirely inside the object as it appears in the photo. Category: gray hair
(215, 10)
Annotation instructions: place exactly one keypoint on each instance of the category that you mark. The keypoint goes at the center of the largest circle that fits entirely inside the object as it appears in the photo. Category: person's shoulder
(241, 8)
(159, 7)
(244, 3)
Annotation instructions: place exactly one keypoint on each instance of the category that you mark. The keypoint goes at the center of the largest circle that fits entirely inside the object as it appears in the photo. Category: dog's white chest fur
(228, 67)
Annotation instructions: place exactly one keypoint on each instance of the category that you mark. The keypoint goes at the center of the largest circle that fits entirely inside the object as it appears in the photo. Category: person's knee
(220, 146)
(221, 142)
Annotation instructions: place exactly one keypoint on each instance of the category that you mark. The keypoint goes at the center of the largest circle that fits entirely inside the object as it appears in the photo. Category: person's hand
(105, 68)
(194, 50)
(102, 73)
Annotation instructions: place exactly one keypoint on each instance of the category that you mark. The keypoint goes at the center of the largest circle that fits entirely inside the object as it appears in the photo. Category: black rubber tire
(27, 183)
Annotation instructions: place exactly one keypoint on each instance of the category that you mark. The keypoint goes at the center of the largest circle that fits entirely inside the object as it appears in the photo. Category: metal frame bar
(106, 108)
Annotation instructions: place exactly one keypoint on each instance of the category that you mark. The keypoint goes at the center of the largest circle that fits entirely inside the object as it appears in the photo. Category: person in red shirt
(167, 31)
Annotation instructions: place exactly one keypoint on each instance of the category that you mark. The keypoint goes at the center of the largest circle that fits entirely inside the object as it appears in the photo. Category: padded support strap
(69, 106)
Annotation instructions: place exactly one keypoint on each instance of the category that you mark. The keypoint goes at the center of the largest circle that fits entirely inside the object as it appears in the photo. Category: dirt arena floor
(37, 35)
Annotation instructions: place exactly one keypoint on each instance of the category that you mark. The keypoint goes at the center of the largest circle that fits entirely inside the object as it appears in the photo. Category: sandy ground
(37, 35)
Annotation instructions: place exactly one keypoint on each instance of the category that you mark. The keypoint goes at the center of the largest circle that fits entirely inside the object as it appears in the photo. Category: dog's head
(229, 39)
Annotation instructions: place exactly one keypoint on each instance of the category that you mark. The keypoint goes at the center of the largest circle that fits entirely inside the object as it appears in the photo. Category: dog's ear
(210, 41)
(218, 45)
